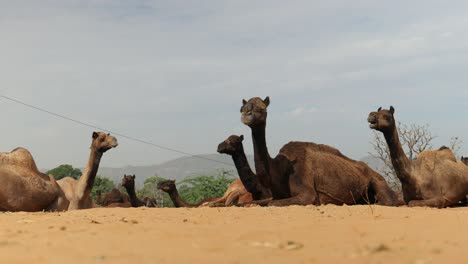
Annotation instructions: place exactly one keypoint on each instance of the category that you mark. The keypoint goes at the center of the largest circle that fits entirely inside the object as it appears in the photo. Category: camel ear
(244, 102)
(392, 110)
(133, 176)
(95, 135)
(380, 108)
(267, 101)
(241, 138)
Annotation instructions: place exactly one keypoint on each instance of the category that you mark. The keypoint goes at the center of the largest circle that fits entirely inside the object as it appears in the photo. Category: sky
(174, 73)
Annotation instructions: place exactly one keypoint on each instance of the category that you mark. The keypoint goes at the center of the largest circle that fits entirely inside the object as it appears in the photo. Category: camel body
(23, 187)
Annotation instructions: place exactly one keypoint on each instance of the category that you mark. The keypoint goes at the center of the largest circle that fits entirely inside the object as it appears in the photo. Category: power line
(109, 131)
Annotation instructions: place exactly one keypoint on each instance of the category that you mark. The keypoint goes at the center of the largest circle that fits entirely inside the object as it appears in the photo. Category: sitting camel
(307, 173)
(434, 179)
(24, 188)
(114, 198)
(233, 146)
(169, 187)
(128, 182)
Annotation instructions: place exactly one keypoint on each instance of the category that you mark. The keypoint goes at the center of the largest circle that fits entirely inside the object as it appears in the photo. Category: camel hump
(297, 148)
(440, 154)
(19, 157)
(443, 148)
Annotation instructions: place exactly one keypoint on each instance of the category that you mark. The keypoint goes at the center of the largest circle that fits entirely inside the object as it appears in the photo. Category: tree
(65, 170)
(414, 140)
(103, 185)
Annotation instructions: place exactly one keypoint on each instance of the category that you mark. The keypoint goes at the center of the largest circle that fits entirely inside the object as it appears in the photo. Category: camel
(464, 160)
(307, 173)
(249, 188)
(169, 187)
(434, 179)
(24, 188)
(128, 182)
(114, 198)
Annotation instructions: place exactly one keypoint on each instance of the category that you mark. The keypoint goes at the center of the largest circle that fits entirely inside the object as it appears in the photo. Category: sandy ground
(326, 234)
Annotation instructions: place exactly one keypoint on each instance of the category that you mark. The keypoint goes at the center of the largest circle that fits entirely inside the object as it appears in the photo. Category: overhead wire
(109, 131)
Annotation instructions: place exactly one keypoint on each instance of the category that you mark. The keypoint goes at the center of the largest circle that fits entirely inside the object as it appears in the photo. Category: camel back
(19, 159)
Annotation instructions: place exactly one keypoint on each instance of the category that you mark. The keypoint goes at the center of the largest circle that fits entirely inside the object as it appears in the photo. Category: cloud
(175, 73)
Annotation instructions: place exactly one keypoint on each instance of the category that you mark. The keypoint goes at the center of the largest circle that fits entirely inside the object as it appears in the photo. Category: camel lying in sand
(24, 188)
(128, 182)
(434, 179)
(114, 198)
(308, 173)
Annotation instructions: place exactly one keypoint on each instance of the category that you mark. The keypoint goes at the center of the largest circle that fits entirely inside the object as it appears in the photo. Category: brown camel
(308, 173)
(24, 188)
(114, 198)
(169, 187)
(128, 182)
(434, 179)
(464, 160)
(250, 189)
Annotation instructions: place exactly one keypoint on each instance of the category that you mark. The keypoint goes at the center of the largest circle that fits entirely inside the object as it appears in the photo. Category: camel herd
(303, 173)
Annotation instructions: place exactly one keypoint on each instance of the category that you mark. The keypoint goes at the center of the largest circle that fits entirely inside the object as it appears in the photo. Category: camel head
(167, 186)
(254, 111)
(382, 120)
(231, 145)
(464, 160)
(128, 181)
(102, 142)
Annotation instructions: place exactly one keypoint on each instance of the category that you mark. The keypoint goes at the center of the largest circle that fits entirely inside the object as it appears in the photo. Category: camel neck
(261, 156)
(177, 200)
(247, 176)
(400, 162)
(132, 195)
(86, 181)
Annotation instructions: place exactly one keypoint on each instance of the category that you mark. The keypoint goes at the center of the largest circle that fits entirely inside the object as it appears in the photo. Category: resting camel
(434, 179)
(233, 146)
(169, 187)
(24, 188)
(128, 182)
(114, 198)
(464, 160)
(308, 173)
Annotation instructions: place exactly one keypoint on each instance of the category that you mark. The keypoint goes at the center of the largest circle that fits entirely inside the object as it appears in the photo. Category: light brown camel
(434, 179)
(308, 173)
(169, 187)
(128, 182)
(24, 188)
(114, 198)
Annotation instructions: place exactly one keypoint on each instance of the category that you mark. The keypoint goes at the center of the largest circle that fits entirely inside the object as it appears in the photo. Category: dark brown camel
(308, 173)
(434, 179)
(464, 160)
(169, 187)
(253, 189)
(128, 182)
(114, 198)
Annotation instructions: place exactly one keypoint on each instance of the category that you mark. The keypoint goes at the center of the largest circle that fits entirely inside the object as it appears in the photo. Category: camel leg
(439, 202)
(263, 202)
(232, 198)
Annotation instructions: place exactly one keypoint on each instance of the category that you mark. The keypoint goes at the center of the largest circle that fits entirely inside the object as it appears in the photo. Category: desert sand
(296, 234)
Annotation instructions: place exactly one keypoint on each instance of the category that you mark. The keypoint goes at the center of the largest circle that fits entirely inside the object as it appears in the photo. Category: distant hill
(177, 169)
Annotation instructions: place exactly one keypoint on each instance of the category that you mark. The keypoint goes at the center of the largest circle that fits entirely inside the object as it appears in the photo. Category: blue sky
(175, 72)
